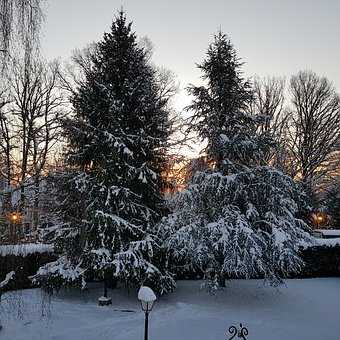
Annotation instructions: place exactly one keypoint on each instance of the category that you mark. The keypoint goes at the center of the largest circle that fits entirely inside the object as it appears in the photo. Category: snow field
(307, 309)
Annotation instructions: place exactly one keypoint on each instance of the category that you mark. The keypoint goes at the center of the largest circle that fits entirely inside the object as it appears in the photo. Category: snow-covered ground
(306, 309)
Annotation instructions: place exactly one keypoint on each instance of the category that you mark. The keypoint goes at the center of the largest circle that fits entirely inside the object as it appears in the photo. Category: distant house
(19, 224)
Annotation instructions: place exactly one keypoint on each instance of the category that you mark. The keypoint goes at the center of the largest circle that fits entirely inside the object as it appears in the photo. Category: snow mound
(104, 299)
(301, 309)
(146, 294)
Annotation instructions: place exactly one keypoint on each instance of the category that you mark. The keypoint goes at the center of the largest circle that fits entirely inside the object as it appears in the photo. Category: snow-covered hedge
(25, 249)
(331, 242)
(25, 260)
(322, 258)
(322, 242)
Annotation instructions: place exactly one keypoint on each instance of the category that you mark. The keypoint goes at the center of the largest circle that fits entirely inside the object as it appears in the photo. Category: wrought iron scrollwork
(240, 332)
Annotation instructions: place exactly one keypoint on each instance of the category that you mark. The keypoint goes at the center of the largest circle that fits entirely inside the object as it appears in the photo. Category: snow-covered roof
(146, 294)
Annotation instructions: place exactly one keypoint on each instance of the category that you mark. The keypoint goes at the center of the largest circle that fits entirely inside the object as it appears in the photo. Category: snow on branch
(8, 278)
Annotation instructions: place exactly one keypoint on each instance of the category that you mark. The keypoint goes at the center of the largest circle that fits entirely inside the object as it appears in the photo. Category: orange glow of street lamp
(319, 218)
(14, 217)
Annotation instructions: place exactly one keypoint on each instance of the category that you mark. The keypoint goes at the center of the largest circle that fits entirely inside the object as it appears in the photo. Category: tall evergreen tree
(220, 110)
(238, 218)
(116, 148)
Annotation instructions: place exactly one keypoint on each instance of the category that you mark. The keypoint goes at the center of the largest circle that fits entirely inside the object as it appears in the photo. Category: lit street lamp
(147, 298)
(319, 219)
(14, 217)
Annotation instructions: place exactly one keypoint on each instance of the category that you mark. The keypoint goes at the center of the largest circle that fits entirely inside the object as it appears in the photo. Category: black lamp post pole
(105, 287)
(146, 325)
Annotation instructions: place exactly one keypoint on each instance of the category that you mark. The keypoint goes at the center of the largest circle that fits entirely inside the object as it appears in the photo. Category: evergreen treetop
(220, 110)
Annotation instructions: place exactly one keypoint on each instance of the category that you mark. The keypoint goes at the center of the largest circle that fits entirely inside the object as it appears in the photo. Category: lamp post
(147, 298)
(14, 219)
(319, 219)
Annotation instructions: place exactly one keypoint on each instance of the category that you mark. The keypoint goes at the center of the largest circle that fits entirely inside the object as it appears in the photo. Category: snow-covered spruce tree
(116, 149)
(238, 218)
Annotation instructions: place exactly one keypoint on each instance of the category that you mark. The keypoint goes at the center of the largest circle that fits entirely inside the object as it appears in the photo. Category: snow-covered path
(303, 310)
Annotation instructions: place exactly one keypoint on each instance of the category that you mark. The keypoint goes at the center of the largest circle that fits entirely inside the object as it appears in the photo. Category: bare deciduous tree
(5, 139)
(269, 105)
(20, 21)
(314, 133)
(30, 126)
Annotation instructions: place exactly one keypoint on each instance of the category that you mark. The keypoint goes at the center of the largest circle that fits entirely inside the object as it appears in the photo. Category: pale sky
(273, 37)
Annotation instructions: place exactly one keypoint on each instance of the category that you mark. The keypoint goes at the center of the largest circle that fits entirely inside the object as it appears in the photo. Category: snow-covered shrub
(242, 225)
(241, 217)
(59, 273)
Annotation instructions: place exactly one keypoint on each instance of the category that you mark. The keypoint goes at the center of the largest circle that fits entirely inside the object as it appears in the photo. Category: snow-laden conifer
(239, 217)
(110, 198)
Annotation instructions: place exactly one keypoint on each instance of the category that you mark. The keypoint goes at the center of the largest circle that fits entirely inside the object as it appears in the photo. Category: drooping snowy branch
(8, 278)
